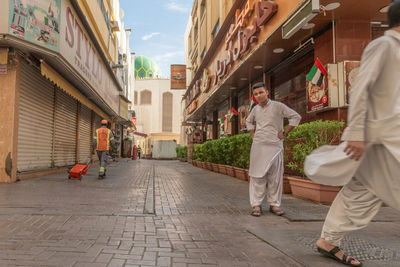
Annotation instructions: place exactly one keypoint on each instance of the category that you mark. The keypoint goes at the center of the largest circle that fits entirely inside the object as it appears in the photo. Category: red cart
(78, 171)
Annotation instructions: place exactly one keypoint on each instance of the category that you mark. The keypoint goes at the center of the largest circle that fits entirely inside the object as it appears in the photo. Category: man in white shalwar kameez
(266, 155)
(373, 126)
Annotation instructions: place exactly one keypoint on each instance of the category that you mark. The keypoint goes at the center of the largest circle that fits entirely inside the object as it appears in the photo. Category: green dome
(146, 68)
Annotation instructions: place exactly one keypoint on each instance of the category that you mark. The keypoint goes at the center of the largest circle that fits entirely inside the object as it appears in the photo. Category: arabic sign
(245, 36)
(178, 76)
(36, 21)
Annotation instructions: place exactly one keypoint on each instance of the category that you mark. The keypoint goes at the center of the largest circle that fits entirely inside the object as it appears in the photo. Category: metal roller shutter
(35, 121)
(65, 129)
(85, 138)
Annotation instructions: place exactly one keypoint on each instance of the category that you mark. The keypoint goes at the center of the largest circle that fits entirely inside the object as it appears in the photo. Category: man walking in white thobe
(374, 123)
(266, 155)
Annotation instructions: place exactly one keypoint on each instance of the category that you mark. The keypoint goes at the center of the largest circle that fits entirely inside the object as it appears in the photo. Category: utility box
(164, 149)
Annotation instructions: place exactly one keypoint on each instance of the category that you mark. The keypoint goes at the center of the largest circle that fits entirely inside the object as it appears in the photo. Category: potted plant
(300, 143)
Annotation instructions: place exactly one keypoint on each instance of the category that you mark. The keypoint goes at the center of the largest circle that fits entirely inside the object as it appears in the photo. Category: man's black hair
(394, 14)
(258, 85)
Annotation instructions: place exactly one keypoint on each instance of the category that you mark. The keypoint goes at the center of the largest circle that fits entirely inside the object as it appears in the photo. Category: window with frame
(145, 97)
(135, 97)
(167, 109)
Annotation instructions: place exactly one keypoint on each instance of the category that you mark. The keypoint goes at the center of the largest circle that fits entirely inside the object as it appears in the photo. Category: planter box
(200, 164)
(208, 166)
(215, 167)
(229, 170)
(240, 173)
(247, 175)
(222, 168)
(307, 189)
(189, 160)
(286, 185)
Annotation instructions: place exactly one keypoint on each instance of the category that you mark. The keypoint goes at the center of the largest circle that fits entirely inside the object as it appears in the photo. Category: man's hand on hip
(354, 149)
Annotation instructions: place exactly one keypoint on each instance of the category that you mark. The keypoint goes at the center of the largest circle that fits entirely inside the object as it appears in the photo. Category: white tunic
(266, 143)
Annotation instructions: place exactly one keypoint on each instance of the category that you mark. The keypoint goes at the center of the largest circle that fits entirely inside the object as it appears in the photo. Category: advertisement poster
(317, 96)
(36, 21)
(351, 69)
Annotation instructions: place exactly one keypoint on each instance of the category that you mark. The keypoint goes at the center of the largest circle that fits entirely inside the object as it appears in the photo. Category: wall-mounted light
(278, 50)
(308, 26)
(243, 79)
(331, 6)
(233, 88)
(384, 9)
(258, 67)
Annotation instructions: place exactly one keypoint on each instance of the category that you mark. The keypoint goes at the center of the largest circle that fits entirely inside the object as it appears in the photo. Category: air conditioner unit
(306, 13)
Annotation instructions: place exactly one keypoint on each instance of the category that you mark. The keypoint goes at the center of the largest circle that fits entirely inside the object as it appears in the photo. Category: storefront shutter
(85, 138)
(35, 121)
(65, 129)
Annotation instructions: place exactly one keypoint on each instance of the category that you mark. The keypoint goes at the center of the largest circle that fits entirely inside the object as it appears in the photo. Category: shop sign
(36, 21)
(264, 9)
(205, 81)
(178, 76)
(77, 48)
(123, 109)
(3, 69)
(192, 107)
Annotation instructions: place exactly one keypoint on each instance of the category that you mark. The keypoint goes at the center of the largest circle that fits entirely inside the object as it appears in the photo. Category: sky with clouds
(158, 29)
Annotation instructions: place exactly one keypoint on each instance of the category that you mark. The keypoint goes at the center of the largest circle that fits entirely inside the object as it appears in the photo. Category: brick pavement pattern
(145, 213)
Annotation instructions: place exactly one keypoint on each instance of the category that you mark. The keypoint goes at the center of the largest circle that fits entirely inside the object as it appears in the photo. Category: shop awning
(56, 78)
(140, 134)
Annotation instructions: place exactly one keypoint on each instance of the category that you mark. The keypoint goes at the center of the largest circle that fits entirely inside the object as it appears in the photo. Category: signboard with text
(178, 76)
(78, 49)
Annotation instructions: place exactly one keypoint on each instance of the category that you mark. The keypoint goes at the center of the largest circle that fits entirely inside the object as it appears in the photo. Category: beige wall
(96, 21)
(4, 16)
(149, 117)
(215, 10)
(9, 121)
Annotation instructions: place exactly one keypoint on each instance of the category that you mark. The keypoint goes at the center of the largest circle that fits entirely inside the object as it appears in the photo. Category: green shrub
(181, 151)
(300, 142)
(241, 145)
(305, 138)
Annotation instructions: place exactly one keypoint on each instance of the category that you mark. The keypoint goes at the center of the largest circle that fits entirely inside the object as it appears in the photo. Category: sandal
(345, 260)
(277, 211)
(256, 212)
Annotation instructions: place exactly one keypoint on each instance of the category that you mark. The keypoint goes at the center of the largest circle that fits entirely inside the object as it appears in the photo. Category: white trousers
(377, 180)
(270, 184)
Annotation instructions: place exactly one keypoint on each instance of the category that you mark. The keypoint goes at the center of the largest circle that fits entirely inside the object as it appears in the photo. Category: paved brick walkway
(145, 213)
(198, 218)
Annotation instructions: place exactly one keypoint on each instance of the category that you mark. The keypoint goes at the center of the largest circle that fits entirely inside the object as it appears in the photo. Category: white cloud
(168, 56)
(172, 5)
(150, 35)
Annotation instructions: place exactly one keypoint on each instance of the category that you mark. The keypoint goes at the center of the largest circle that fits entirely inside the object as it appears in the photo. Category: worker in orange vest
(102, 139)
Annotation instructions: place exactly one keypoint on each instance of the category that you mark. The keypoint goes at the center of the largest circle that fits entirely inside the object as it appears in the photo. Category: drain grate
(358, 248)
